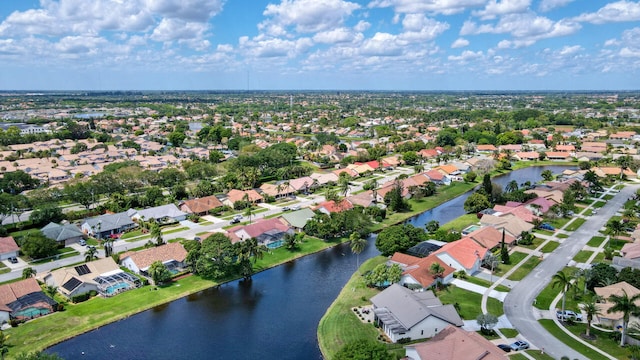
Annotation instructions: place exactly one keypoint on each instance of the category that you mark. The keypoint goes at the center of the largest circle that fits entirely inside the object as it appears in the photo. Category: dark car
(13, 260)
(545, 226)
(505, 347)
(235, 220)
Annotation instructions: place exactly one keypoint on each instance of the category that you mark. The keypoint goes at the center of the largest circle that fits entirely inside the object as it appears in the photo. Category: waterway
(273, 316)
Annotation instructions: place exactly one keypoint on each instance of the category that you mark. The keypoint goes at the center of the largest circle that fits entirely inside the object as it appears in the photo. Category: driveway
(518, 305)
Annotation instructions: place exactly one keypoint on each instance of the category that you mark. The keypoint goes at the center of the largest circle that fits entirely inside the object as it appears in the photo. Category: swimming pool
(112, 289)
(469, 229)
(31, 312)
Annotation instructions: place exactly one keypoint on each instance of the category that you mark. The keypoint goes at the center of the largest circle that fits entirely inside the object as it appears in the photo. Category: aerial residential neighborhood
(139, 198)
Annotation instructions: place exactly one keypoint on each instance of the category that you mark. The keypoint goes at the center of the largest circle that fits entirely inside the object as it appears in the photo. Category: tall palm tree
(357, 245)
(343, 185)
(248, 212)
(50, 290)
(91, 254)
(592, 309)
(511, 186)
(437, 270)
(28, 272)
(256, 250)
(156, 234)
(627, 306)
(562, 280)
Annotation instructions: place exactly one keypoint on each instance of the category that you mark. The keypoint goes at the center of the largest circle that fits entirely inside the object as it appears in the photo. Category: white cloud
(418, 27)
(362, 26)
(262, 47)
(176, 29)
(446, 7)
(80, 45)
(570, 50)
(466, 56)
(548, 5)
(339, 35)
(308, 15)
(495, 8)
(613, 12)
(629, 53)
(186, 10)
(460, 42)
(381, 44)
(526, 29)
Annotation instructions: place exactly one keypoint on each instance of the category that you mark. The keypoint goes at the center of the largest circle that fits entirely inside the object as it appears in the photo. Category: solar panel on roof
(72, 284)
(82, 269)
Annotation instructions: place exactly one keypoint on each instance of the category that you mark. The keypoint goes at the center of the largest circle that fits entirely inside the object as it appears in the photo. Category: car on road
(568, 315)
(234, 220)
(519, 345)
(295, 207)
(505, 347)
(286, 208)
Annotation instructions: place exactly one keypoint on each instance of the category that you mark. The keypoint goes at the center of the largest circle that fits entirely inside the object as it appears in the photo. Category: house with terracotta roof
(23, 300)
(364, 199)
(331, 206)
(450, 170)
(277, 191)
(269, 232)
(631, 251)
(464, 254)
(404, 313)
(350, 171)
(490, 237)
(558, 155)
(527, 155)
(8, 248)
(416, 272)
(171, 255)
(614, 319)
(324, 178)
(200, 206)
(302, 184)
(241, 195)
(453, 343)
(486, 148)
(513, 225)
(438, 177)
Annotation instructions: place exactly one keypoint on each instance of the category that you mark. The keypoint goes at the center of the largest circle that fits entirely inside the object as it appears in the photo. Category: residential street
(518, 305)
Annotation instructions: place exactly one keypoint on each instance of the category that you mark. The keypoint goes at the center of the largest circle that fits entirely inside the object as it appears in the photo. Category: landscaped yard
(515, 258)
(575, 224)
(582, 256)
(562, 236)
(536, 242)
(461, 222)
(562, 336)
(596, 241)
(525, 269)
(510, 333)
(468, 302)
(549, 247)
(602, 341)
(486, 283)
(617, 244)
(61, 254)
(599, 204)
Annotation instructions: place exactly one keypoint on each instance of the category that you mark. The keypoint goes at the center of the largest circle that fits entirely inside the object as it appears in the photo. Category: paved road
(518, 305)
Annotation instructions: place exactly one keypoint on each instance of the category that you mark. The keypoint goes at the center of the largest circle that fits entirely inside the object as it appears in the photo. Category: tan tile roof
(7, 244)
(454, 343)
(13, 291)
(144, 258)
(200, 205)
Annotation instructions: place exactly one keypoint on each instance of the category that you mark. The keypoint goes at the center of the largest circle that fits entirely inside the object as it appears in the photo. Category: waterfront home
(513, 225)
(162, 214)
(103, 276)
(464, 254)
(24, 300)
(200, 206)
(416, 272)
(299, 218)
(269, 232)
(404, 313)
(490, 238)
(8, 248)
(614, 319)
(454, 343)
(107, 224)
(364, 199)
(64, 235)
(332, 206)
(172, 255)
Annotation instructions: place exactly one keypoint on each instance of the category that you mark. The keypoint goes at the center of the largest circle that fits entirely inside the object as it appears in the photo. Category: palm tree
(91, 254)
(357, 246)
(511, 186)
(627, 306)
(436, 270)
(547, 175)
(156, 234)
(563, 281)
(4, 349)
(50, 290)
(615, 227)
(256, 250)
(592, 309)
(248, 212)
(343, 185)
(28, 272)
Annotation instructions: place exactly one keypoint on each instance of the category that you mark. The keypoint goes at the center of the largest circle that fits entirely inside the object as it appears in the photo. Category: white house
(172, 255)
(403, 313)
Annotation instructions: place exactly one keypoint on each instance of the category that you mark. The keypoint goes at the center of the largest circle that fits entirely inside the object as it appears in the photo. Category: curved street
(518, 305)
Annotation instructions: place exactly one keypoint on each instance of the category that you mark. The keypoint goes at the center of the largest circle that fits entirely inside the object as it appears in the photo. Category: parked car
(13, 260)
(519, 345)
(295, 207)
(568, 315)
(235, 220)
(546, 226)
(286, 208)
(505, 347)
(82, 242)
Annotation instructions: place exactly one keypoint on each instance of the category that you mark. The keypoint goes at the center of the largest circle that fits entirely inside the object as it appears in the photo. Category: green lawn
(558, 222)
(551, 245)
(599, 204)
(525, 269)
(600, 258)
(469, 302)
(461, 222)
(582, 256)
(339, 325)
(515, 258)
(130, 234)
(608, 197)
(510, 333)
(575, 224)
(546, 296)
(60, 254)
(544, 232)
(596, 241)
(536, 242)
(486, 283)
(617, 244)
(562, 336)
(602, 341)
(174, 230)
(281, 254)
(562, 236)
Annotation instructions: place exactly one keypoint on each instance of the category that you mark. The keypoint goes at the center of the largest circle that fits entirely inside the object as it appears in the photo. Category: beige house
(614, 319)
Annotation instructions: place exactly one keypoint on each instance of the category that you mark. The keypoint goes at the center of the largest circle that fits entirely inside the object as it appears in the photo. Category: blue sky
(319, 44)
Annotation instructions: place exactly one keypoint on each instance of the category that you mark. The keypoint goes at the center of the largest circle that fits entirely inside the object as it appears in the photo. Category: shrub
(60, 307)
(404, 340)
(80, 298)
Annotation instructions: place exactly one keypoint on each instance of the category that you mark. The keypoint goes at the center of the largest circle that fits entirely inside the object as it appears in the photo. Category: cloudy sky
(319, 44)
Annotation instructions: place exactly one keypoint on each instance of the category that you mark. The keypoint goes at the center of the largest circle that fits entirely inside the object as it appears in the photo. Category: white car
(568, 315)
